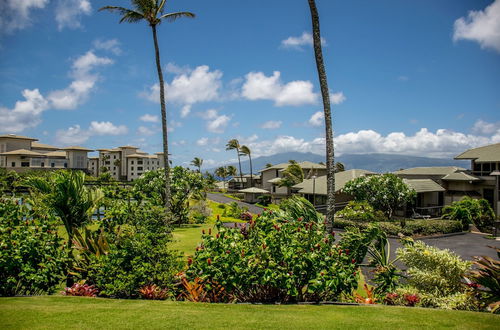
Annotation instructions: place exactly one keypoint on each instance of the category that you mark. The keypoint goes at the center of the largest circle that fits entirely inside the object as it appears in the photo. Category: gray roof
(460, 176)
(14, 136)
(489, 153)
(423, 185)
(304, 165)
(254, 190)
(341, 178)
(431, 170)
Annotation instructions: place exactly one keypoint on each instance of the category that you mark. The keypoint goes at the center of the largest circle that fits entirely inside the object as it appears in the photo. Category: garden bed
(414, 228)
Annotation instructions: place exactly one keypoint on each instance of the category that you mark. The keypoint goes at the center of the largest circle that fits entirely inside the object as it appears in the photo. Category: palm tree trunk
(163, 122)
(251, 171)
(325, 93)
(239, 164)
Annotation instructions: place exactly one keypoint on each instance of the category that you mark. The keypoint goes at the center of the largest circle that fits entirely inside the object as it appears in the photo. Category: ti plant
(386, 272)
(487, 275)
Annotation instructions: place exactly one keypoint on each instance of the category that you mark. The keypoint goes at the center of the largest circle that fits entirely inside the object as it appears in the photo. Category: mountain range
(375, 162)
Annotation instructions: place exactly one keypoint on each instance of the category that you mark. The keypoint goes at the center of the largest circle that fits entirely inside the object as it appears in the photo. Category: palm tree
(231, 170)
(292, 175)
(198, 162)
(339, 167)
(325, 94)
(246, 151)
(234, 144)
(221, 172)
(153, 12)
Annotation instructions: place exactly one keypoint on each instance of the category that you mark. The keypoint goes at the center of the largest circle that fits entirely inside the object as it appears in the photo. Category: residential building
(22, 153)
(246, 181)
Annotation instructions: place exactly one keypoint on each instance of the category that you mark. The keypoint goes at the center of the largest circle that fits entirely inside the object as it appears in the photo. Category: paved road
(220, 198)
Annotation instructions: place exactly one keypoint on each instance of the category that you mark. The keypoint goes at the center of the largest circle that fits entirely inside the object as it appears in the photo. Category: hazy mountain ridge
(375, 162)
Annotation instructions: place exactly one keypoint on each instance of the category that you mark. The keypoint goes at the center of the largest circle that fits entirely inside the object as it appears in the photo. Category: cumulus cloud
(111, 45)
(258, 86)
(16, 14)
(305, 39)
(198, 85)
(150, 118)
(185, 110)
(218, 124)
(84, 81)
(317, 119)
(337, 98)
(483, 127)
(77, 135)
(25, 114)
(70, 12)
(481, 26)
(271, 124)
(143, 130)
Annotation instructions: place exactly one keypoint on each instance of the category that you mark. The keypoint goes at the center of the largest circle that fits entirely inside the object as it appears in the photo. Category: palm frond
(128, 15)
(171, 17)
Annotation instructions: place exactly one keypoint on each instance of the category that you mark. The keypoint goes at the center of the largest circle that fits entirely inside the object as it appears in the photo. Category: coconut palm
(153, 13)
(292, 175)
(231, 170)
(234, 144)
(246, 151)
(325, 94)
(198, 162)
(339, 167)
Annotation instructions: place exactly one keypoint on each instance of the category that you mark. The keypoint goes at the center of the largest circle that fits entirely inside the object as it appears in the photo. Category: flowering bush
(276, 258)
(153, 292)
(360, 211)
(81, 289)
(246, 216)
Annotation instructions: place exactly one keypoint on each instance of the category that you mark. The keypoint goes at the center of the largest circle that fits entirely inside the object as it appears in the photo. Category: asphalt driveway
(220, 198)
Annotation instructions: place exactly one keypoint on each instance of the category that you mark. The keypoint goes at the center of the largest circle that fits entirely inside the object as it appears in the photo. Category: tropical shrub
(32, 256)
(200, 211)
(153, 292)
(81, 289)
(385, 192)
(387, 275)
(471, 211)
(276, 258)
(264, 200)
(247, 216)
(486, 278)
(360, 211)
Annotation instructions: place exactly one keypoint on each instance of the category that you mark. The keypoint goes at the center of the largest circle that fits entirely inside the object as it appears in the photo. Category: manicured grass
(216, 210)
(187, 237)
(232, 197)
(269, 206)
(58, 312)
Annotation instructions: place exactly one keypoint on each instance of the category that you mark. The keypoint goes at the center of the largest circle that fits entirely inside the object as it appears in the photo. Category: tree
(246, 151)
(325, 94)
(198, 162)
(385, 192)
(292, 175)
(231, 170)
(221, 172)
(234, 144)
(268, 165)
(339, 167)
(153, 12)
(471, 211)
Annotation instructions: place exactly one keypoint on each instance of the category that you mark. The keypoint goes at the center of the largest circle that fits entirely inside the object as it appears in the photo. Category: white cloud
(305, 39)
(25, 114)
(485, 128)
(198, 85)
(337, 98)
(69, 13)
(218, 124)
(271, 124)
(482, 26)
(258, 86)
(143, 130)
(317, 119)
(76, 135)
(173, 124)
(202, 141)
(185, 110)
(111, 45)
(16, 14)
(205, 141)
(84, 81)
(209, 114)
(150, 118)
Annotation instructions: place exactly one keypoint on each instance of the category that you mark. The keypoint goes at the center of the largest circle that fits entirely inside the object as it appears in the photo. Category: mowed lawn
(56, 312)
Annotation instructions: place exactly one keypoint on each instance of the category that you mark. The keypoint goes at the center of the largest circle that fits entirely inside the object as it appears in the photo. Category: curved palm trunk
(163, 121)
(251, 171)
(239, 164)
(325, 93)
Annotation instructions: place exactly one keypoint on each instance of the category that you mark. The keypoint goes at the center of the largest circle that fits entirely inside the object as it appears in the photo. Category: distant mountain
(380, 163)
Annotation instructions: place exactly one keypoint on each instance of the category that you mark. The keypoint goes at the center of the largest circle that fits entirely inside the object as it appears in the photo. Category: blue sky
(409, 77)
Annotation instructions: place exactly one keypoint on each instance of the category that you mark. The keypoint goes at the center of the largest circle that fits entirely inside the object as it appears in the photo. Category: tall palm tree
(198, 162)
(246, 151)
(153, 12)
(325, 93)
(234, 144)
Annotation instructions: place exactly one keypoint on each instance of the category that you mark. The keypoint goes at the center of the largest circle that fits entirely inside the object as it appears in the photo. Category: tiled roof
(489, 153)
(431, 170)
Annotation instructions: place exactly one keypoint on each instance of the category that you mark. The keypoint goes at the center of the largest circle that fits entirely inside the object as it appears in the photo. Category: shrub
(264, 200)
(487, 275)
(276, 258)
(412, 227)
(153, 292)
(360, 211)
(200, 211)
(81, 289)
(468, 210)
(32, 256)
(247, 216)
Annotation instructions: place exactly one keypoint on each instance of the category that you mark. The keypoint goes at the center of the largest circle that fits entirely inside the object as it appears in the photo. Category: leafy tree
(292, 175)
(268, 165)
(385, 192)
(197, 162)
(153, 12)
(221, 172)
(246, 151)
(468, 210)
(325, 93)
(234, 144)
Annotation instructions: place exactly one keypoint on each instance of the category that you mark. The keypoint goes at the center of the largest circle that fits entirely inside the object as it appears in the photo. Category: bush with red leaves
(81, 289)
(153, 292)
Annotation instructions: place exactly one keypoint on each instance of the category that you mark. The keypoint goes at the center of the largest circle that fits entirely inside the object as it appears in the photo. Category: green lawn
(187, 237)
(58, 312)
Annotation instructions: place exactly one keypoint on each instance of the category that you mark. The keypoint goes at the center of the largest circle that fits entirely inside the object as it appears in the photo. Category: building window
(132, 173)
(13, 164)
(277, 173)
(274, 189)
(114, 173)
(132, 168)
(25, 164)
(139, 162)
(65, 165)
(52, 164)
(139, 168)
(42, 164)
(132, 162)
(114, 157)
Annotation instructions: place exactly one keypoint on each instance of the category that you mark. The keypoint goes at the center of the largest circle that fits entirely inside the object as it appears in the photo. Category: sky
(407, 77)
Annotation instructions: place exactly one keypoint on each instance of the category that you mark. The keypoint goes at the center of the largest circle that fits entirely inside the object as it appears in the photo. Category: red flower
(228, 252)
(264, 246)
(209, 231)
(217, 236)
(353, 261)
(209, 261)
(203, 231)
(472, 285)
(299, 219)
(190, 261)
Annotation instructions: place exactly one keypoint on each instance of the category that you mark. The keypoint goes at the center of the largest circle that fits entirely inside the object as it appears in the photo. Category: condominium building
(22, 153)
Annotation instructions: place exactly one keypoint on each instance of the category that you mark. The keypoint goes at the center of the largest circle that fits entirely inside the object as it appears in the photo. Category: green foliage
(432, 270)
(412, 227)
(32, 256)
(292, 175)
(276, 258)
(360, 211)
(200, 211)
(469, 210)
(385, 192)
(264, 200)
(296, 207)
(386, 273)
(487, 275)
